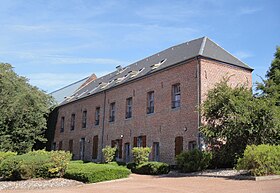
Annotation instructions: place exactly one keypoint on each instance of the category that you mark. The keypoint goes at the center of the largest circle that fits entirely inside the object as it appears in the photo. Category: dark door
(95, 147)
(178, 145)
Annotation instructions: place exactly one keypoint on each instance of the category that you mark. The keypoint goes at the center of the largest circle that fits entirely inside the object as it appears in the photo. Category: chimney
(119, 68)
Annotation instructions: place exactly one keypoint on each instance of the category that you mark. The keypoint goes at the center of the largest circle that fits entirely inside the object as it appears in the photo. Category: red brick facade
(196, 76)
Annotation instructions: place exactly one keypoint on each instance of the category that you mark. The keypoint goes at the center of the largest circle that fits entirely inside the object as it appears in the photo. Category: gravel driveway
(168, 184)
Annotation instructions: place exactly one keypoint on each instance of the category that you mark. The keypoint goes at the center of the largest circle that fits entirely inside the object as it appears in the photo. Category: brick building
(152, 102)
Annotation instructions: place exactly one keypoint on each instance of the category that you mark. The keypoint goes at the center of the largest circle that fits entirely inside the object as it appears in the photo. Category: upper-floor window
(84, 119)
(150, 104)
(112, 112)
(176, 95)
(73, 121)
(128, 113)
(62, 124)
(97, 115)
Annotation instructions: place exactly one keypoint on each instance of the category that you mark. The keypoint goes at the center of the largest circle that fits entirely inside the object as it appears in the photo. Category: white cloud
(249, 10)
(243, 54)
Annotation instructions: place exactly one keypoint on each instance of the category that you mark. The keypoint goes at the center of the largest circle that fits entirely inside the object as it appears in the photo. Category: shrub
(109, 153)
(261, 160)
(35, 164)
(152, 168)
(140, 154)
(91, 172)
(194, 160)
(131, 165)
(5, 155)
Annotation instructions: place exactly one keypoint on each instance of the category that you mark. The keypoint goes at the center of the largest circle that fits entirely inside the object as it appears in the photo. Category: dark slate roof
(60, 94)
(199, 47)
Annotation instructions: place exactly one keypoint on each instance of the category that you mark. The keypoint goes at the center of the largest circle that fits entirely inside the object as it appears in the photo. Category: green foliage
(91, 172)
(261, 160)
(140, 154)
(23, 112)
(194, 160)
(35, 164)
(234, 118)
(151, 168)
(271, 87)
(109, 153)
(131, 165)
(5, 155)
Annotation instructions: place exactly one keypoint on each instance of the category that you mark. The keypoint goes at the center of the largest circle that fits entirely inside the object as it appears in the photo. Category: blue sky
(56, 42)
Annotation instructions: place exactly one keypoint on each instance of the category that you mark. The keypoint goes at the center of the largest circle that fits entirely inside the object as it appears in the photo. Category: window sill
(176, 108)
(128, 118)
(150, 114)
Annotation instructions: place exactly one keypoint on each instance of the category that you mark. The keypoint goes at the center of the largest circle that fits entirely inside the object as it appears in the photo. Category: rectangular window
(112, 112)
(62, 124)
(73, 121)
(150, 107)
(97, 115)
(155, 151)
(128, 113)
(176, 95)
(139, 141)
(84, 119)
(54, 146)
(192, 145)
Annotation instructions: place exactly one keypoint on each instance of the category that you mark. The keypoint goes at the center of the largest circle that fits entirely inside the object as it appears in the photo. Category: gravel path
(60, 182)
(37, 184)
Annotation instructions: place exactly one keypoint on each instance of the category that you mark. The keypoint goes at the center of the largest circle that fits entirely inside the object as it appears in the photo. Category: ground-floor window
(82, 148)
(139, 141)
(118, 144)
(127, 152)
(192, 145)
(70, 148)
(53, 146)
(155, 151)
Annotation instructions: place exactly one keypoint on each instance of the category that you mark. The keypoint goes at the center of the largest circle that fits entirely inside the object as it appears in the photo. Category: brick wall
(161, 126)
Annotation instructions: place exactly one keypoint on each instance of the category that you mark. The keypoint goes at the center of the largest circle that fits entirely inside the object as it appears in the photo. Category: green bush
(91, 172)
(5, 155)
(151, 168)
(131, 165)
(109, 153)
(35, 164)
(140, 154)
(194, 160)
(260, 160)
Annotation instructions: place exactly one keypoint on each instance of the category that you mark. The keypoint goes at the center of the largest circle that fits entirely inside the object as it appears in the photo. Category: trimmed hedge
(194, 160)
(151, 168)
(34, 165)
(260, 160)
(91, 172)
(5, 155)
(140, 154)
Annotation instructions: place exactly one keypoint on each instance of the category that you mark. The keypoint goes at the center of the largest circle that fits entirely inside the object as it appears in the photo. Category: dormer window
(155, 66)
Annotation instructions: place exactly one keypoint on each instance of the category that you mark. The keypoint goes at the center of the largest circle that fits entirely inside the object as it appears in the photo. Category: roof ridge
(230, 53)
(69, 85)
(202, 46)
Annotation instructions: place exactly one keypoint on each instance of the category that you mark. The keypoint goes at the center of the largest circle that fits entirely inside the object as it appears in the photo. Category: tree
(234, 118)
(271, 86)
(23, 112)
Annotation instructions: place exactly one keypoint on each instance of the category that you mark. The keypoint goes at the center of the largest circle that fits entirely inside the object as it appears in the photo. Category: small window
(73, 121)
(84, 119)
(128, 113)
(62, 124)
(97, 115)
(192, 145)
(139, 141)
(150, 105)
(176, 96)
(112, 112)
